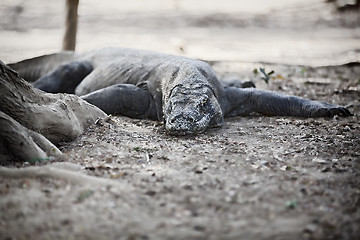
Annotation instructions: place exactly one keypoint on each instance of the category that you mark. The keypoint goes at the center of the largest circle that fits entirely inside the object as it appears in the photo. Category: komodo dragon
(184, 93)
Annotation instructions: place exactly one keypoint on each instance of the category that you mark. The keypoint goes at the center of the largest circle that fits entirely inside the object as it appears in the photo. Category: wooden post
(71, 20)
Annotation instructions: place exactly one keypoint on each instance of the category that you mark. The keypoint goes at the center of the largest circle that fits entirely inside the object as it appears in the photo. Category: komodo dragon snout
(192, 112)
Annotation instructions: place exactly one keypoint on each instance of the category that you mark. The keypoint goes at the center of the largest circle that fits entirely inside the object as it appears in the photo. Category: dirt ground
(257, 177)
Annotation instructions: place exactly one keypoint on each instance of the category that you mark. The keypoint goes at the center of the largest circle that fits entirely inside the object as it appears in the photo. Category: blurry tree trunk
(71, 22)
(32, 122)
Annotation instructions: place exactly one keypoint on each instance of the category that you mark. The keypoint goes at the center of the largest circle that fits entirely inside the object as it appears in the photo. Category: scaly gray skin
(184, 93)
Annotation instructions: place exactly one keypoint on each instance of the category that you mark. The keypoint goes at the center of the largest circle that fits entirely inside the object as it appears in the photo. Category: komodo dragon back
(33, 68)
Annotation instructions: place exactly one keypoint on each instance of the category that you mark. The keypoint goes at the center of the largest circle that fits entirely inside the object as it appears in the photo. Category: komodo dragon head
(192, 110)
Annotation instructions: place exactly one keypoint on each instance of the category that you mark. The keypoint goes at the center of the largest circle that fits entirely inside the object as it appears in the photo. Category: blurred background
(306, 32)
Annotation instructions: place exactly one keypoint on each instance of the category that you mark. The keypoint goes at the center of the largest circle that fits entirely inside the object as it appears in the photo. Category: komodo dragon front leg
(247, 101)
(124, 99)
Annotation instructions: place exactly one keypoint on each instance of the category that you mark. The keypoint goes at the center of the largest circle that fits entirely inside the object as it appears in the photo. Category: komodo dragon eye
(203, 101)
(203, 104)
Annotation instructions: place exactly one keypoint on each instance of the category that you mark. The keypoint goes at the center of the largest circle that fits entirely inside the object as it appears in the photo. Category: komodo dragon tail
(33, 68)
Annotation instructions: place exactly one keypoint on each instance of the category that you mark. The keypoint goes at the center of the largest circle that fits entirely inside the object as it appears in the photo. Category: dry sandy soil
(257, 177)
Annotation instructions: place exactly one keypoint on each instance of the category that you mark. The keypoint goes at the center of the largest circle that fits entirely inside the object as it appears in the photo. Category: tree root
(22, 143)
(33, 122)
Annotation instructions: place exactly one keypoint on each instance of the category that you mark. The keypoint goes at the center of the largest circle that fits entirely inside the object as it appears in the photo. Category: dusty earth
(257, 177)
